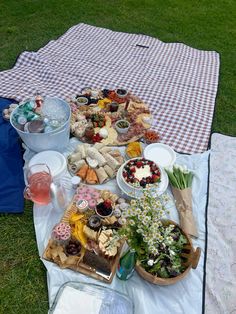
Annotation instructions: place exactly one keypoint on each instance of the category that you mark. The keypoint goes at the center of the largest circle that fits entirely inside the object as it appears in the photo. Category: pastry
(101, 174)
(74, 157)
(76, 165)
(104, 160)
(82, 173)
(95, 222)
(91, 177)
(91, 162)
(112, 162)
(94, 153)
(99, 146)
(105, 150)
(109, 171)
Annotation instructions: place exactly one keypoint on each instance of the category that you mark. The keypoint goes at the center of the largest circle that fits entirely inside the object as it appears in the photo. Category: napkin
(11, 166)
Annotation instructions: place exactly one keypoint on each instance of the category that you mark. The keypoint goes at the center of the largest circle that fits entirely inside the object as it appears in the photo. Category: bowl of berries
(141, 173)
(104, 209)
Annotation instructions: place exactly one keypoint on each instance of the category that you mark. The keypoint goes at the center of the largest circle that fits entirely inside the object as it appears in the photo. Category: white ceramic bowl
(122, 130)
(121, 95)
(103, 216)
(81, 101)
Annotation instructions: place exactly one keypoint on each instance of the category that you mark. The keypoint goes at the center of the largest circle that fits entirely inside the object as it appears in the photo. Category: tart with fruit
(141, 173)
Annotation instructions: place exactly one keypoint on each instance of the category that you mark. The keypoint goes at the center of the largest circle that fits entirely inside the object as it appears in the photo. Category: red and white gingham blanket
(178, 82)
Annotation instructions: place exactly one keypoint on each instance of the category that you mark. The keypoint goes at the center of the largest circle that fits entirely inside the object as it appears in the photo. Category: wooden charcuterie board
(99, 115)
(95, 263)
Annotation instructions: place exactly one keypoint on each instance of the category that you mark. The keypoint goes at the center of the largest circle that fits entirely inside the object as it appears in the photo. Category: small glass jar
(89, 132)
(114, 106)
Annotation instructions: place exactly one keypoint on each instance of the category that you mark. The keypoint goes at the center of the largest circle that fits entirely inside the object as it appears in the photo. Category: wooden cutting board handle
(195, 257)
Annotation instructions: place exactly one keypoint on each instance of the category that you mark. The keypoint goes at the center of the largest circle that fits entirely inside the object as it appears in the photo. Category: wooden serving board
(135, 105)
(115, 142)
(133, 139)
(55, 253)
(87, 270)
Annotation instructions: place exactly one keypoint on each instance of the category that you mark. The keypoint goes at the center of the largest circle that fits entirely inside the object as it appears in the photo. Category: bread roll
(101, 174)
(109, 171)
(112, 162)
(94, 154)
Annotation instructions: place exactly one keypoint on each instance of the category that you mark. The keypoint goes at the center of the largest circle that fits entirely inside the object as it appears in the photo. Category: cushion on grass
(11, 163)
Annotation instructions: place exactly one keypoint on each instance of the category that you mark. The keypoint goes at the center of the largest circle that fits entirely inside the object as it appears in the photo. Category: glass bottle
(126, 265)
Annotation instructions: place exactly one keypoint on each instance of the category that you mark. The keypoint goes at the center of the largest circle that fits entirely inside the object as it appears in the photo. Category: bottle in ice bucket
(29, 105)
(25, 114)
(21, 119)
(126, 265)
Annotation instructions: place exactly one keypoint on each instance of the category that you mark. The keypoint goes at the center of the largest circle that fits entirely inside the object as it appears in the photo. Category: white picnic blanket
(178, 82)
(183, 297)
(220, 295)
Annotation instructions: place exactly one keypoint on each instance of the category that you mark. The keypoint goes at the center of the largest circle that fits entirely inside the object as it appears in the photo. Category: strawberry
(153, 168)
(132, 169)
(155, 178)
(124, 173)
(96, 138)
(107, 204)
(139, 164)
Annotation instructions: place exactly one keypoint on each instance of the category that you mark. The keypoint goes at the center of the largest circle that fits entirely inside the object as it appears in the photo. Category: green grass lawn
(29, 25)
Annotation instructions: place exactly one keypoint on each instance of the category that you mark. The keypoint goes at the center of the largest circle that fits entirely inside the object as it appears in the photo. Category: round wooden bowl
(190, 254)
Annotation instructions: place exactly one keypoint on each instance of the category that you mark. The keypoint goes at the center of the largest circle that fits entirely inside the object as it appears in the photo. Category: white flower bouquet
(181, 184)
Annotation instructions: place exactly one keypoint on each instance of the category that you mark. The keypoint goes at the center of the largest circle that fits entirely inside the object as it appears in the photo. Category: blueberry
(143, 183)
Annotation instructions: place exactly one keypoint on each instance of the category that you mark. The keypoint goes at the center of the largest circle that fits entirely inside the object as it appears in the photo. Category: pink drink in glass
(39, 180)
